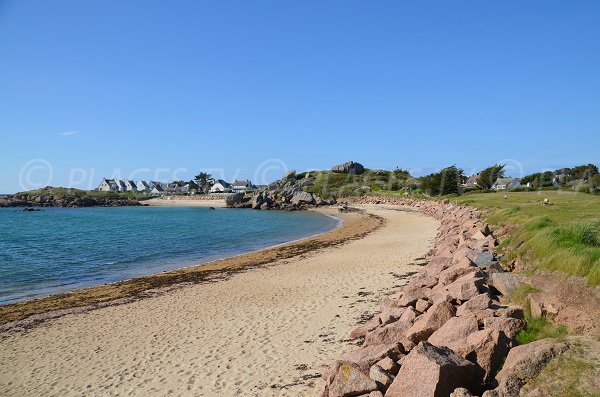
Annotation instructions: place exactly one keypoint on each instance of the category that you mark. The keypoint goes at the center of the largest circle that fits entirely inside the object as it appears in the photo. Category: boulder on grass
(431, 371)
(526, 361)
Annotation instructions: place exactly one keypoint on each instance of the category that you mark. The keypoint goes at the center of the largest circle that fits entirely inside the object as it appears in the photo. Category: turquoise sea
(62, 249)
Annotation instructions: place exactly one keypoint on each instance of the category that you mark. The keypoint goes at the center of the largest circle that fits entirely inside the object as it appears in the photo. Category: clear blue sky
(112, 87)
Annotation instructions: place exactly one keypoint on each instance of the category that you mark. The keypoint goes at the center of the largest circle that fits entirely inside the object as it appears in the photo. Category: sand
(254, 333)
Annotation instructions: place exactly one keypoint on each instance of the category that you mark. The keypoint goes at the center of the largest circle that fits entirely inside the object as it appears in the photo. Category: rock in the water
(234, 199)
(431, 371)
(349, 381)
(350, 167)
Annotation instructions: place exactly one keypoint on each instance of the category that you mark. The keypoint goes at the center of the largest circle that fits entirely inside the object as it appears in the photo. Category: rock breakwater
(446, 332)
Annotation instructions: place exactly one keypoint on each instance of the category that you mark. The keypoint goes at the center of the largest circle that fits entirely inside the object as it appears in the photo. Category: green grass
(329, 184)
(540, 328)
(563, 236)
(535, 328)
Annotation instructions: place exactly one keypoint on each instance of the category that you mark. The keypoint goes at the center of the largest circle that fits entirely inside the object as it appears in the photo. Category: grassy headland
(562, 236)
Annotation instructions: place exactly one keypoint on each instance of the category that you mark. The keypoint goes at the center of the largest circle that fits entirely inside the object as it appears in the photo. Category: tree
(595, 183)
(447, 181)
(584, 172)
(488, 176)
(539, 179)
(204, 181)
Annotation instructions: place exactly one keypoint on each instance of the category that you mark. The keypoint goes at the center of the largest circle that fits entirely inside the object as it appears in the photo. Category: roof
(222, 183)
(241, 183)
(505, 181)
(472, 180)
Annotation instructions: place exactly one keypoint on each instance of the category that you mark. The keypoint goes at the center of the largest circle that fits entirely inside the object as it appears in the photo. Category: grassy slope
(328, 184)
(563, 236)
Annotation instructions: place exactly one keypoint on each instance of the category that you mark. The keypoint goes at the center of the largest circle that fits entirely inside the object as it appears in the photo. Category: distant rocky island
(62, 197)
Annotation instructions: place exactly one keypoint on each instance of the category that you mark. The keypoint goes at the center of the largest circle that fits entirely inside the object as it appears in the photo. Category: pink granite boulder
(430, 322)
(431, 371)
(349, 380)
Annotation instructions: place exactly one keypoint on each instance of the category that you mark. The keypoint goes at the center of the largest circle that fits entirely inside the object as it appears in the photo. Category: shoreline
(31, 312)
(260, 330)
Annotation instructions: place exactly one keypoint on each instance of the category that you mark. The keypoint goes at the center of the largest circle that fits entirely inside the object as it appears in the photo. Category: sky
(249, 89)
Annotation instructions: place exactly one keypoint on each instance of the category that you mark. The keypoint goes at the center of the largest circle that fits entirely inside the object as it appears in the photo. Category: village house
(241, 186)
(506, 183)
(130, 186)
(143, 186)
(220, 186)
(471, 182)
(108, 185)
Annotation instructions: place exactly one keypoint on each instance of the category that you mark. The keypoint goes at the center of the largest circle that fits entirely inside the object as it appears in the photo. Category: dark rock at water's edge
(47, 198)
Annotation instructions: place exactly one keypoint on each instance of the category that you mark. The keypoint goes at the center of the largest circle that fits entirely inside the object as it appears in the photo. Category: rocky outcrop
(47, 198)
(446, 331)
(285, 194)
(351, 167)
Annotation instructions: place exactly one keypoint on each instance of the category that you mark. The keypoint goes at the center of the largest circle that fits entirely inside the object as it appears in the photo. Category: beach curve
(256, 332)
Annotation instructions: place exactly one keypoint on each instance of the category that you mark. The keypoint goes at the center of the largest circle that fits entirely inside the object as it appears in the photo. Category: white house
(157, 189)
(143, 186)
(130, 186)
(506, 183)
(220, 186)
(108, 185)
(241, 186)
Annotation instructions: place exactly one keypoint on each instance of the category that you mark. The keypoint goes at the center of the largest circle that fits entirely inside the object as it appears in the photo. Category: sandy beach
(257, 332)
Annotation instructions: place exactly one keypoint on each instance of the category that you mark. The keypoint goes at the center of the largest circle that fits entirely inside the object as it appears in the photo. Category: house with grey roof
(220, 186)
(471, 181)
(130, 186)
(143, 186)
(241, 186)
(108, 185)
(506, 183)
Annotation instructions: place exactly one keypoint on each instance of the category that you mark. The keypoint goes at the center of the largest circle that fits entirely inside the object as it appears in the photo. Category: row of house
(238, 186)
(502, 183)
(157, 188)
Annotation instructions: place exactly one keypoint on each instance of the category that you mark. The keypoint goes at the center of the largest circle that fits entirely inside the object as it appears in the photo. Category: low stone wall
(446, 332)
